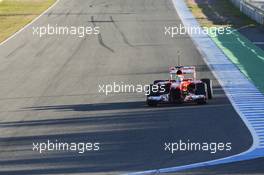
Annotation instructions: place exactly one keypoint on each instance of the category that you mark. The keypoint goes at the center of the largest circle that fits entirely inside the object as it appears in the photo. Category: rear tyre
(209, 85)
(151, 92)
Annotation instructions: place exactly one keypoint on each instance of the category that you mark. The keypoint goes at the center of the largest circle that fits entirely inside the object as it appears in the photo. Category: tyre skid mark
(100, 38)
(121, 32)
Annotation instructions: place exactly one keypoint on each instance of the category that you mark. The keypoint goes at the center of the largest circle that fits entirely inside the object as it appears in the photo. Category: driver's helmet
(179, 76)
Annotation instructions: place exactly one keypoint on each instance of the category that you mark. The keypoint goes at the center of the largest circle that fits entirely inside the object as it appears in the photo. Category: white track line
(259, 43)
(234, 84)
(16, 33)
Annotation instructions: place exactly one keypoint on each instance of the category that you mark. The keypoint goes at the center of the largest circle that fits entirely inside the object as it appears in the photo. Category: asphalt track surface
(49, 90)
(255, 35)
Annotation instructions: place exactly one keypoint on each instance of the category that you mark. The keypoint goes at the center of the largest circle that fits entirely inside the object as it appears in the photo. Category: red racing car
(181, 87)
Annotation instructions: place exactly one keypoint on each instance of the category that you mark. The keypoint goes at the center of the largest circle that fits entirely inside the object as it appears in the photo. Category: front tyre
(175, 96)
(201, 101)
(201, 89)
(152, 103)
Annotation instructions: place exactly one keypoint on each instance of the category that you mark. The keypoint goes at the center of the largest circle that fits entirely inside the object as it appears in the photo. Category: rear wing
(183, 70)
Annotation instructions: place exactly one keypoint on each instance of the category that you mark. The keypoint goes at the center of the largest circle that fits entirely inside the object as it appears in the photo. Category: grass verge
(14, 14)
(242, 52)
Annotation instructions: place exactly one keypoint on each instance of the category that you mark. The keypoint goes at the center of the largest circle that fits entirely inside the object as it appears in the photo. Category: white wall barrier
(250, 10)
